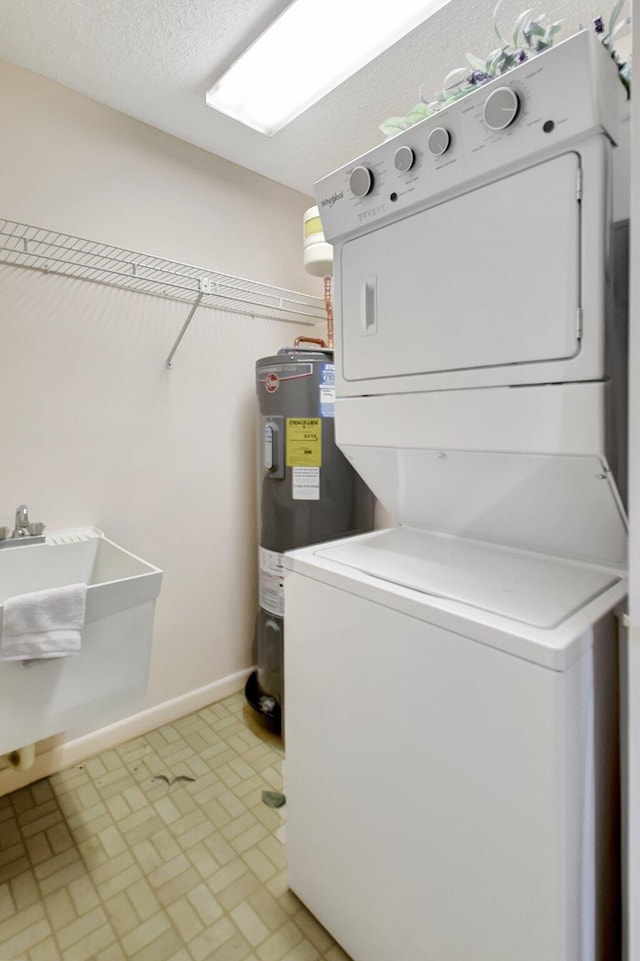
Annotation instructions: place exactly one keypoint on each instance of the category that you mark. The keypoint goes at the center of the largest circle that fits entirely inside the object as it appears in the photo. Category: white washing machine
(452, 717)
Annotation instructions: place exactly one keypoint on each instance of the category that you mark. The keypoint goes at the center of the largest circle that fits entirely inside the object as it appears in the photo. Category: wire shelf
(54, 253)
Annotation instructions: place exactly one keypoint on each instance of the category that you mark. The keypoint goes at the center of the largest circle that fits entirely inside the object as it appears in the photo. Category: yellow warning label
(304, 442)
(312, 226)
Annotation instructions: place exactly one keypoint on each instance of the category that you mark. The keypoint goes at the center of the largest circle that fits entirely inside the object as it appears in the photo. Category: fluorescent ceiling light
(310, 49)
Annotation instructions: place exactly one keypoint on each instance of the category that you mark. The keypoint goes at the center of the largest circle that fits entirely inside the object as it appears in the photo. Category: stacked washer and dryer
(452, 682)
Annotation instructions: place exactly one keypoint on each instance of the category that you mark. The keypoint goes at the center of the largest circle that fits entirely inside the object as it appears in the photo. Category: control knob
(361, 181)
(439, 141)
(404, 158)
(501, 108)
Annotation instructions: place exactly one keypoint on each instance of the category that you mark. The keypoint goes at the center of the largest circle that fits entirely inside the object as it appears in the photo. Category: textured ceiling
(154, 59)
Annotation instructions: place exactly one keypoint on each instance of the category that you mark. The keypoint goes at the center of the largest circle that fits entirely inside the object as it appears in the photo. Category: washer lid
(532, 589)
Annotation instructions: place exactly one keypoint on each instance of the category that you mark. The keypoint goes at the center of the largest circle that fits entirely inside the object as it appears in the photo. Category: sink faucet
(22, 521)
(24, 531)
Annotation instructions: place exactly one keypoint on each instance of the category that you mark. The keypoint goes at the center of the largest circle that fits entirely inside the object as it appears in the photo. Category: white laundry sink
(116, 579)
(108, 679)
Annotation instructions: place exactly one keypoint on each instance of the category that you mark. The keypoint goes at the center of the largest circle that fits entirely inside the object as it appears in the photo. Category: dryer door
(488, 279)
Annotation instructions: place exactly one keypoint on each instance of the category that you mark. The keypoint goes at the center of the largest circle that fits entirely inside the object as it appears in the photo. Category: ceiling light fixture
(309, 50)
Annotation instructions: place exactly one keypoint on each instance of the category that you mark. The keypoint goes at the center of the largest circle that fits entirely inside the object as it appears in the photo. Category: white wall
(95, 430)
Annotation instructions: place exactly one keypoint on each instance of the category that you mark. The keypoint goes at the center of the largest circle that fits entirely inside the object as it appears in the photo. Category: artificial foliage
(529, 36)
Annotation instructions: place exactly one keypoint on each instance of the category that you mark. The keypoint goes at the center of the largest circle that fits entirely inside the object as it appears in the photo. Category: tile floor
(102, 863)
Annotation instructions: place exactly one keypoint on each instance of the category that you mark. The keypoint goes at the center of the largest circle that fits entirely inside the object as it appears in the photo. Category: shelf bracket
(205, 288)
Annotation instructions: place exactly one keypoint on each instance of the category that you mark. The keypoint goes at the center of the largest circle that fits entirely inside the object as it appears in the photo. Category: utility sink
(108, 679)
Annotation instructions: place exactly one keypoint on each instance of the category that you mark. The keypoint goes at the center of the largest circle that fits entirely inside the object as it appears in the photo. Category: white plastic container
(317, 253)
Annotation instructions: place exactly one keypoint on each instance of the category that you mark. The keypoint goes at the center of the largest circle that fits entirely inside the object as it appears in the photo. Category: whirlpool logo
(330, 201)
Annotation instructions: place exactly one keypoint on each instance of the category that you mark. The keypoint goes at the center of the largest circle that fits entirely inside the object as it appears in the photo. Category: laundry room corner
(319, 525)
(162, 460)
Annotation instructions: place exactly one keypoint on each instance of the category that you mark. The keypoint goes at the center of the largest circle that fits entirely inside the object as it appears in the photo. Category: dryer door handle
(369, 306)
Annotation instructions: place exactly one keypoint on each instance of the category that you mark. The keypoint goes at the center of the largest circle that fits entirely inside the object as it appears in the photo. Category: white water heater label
(327, 390)
(305, 484)
(272, 575)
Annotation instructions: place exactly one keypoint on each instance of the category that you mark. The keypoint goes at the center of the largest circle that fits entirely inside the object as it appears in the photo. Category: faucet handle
(22, 520)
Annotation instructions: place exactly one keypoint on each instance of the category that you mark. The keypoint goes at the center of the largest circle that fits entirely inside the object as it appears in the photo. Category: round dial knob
(361, 181)
(439, 141)
(404, 158)
(501, 108)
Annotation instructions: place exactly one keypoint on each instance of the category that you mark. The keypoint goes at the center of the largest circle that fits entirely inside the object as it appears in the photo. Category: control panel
(565, 94)
(273, 446)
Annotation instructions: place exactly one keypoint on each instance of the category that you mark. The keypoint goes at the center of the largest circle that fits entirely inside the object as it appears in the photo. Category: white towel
(43, 624)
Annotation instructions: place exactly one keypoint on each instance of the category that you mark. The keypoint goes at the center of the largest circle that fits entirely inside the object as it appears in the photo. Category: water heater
(308, 492)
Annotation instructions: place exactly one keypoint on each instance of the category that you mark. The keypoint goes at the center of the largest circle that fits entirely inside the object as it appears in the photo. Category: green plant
(529, 36)
(608, 35)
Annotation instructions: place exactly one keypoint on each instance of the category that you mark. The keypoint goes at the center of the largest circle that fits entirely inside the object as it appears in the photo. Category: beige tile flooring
(101, 863)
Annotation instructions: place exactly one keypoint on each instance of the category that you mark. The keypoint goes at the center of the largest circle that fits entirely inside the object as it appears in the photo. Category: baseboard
(81, 748)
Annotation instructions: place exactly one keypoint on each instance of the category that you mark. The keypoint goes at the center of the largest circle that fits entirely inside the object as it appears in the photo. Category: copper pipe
(309, 340)
(329, 308)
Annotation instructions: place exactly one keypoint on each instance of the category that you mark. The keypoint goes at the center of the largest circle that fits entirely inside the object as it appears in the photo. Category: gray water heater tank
(308, 492)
